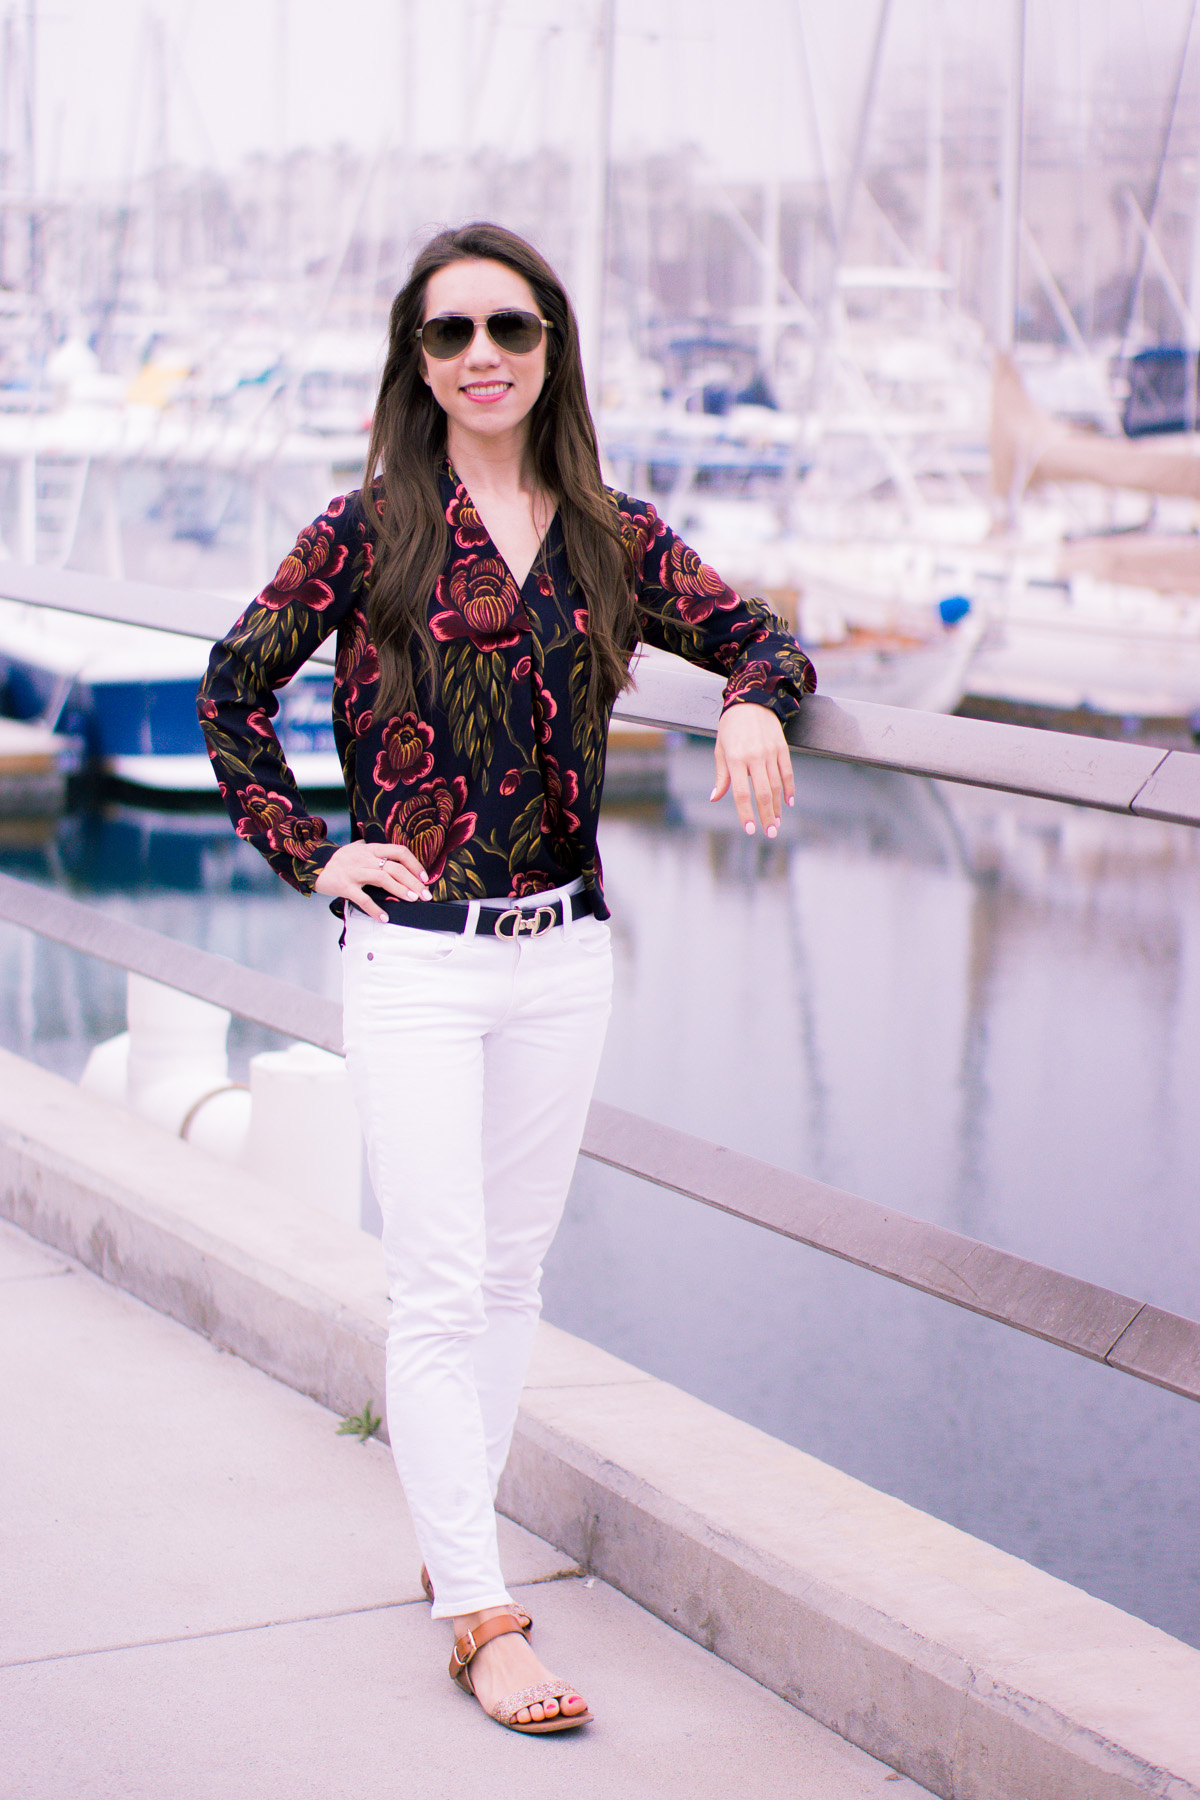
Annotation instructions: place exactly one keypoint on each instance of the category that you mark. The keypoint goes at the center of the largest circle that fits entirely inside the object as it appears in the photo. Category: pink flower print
(358, 661)
(695, 588)
(545, 708)
(405, 756)
(316, 553)
(755, 675)
(260, 723)
(480, 602)
(470, 532)
(431, 823)
(527, 882)
(561, 792)
(269, 815)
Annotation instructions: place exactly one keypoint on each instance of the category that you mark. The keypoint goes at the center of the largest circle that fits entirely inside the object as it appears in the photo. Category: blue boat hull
(146, 732)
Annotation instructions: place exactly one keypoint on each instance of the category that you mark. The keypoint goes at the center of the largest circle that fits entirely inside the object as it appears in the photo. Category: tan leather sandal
(505, 1711)
(518, 1612)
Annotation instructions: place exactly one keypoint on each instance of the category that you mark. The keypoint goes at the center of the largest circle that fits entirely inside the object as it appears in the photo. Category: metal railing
(1116, 777)
(1076, 1315)
(1125, 1333)
(1016, 759)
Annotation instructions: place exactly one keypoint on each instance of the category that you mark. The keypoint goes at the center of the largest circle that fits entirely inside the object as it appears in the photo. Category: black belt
(520, 919)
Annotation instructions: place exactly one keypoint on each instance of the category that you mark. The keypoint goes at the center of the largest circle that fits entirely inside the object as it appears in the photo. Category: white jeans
(472, 1061)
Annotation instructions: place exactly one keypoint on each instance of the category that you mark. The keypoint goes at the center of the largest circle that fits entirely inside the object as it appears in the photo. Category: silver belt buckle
(532, 923)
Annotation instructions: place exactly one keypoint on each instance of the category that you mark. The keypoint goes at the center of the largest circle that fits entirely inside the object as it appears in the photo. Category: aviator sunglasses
(516, 333)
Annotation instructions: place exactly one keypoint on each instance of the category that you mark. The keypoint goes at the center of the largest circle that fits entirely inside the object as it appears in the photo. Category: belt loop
(472, 924)
(568, 913)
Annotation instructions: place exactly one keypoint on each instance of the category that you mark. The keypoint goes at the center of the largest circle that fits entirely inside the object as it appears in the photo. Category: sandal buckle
(462, 1661)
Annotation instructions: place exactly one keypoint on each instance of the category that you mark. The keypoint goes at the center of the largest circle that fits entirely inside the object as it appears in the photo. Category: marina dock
(218, 1595)
(946, 1661)
(860, 1448)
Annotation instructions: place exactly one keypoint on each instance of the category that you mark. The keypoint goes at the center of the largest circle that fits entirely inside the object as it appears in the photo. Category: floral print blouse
(496, 787)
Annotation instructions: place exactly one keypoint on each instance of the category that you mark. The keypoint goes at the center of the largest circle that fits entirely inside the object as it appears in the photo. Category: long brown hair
(404, 456)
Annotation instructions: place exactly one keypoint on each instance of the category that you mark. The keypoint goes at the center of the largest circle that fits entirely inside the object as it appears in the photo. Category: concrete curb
(973, 1673)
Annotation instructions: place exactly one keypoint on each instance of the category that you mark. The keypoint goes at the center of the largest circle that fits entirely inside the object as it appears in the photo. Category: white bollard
(172, 1034)
(106, 1071)
(296, 1128)
(177, 1051)
(219, 1124)
(171, 1067)
(304, 1132)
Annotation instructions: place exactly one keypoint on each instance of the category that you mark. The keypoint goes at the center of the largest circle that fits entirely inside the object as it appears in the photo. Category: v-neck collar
(544, 544)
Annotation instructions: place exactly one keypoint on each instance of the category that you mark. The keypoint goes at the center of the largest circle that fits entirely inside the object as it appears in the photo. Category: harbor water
(974, 1009)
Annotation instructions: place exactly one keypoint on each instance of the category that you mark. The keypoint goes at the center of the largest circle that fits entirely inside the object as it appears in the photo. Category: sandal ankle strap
(471, 1641)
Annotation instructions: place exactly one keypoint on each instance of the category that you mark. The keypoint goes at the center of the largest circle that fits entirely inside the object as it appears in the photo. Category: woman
(487, 592)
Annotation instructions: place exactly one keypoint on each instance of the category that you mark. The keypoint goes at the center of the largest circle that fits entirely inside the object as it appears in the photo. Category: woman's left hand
(754, 760)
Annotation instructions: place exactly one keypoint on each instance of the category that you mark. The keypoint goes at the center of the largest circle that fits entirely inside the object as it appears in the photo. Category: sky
(733, 78)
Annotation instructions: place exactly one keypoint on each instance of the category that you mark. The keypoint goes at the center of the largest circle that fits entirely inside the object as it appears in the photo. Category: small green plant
(361, 1425)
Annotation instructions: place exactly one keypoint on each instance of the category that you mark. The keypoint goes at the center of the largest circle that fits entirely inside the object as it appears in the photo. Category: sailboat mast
(282, 75)
(31, 24)
(865, 117)
(592, 259)
(1150, 209)
(160, 149)
(405, 209)
(840, 225)
(768, 331)
(1193, 286)
(1011, 158)
(934, 151)
(7, 64)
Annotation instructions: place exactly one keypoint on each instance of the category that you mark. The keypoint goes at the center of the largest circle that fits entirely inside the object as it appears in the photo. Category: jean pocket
(377, 943)
(398, 944)
(591, 936)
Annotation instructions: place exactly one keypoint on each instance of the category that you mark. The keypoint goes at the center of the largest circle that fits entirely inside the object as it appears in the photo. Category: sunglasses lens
(447, 337)
(515, 332)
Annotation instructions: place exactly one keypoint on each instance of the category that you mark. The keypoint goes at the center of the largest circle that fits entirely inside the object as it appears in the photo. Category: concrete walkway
(206, 1594)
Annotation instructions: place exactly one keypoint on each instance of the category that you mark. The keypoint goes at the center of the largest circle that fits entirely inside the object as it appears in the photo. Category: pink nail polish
(713, 795)
(749, 827)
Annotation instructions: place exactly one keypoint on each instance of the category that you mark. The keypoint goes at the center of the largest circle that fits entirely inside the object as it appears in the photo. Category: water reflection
(180, 871)
(982, 1011)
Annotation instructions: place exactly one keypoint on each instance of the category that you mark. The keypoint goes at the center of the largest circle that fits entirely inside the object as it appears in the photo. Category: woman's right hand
(360, 865)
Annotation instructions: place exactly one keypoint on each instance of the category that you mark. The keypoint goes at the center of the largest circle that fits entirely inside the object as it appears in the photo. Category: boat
(127, 696)
(34, 767)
